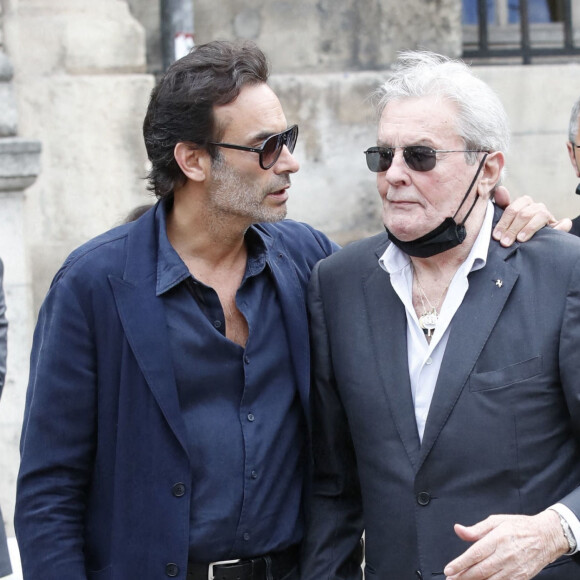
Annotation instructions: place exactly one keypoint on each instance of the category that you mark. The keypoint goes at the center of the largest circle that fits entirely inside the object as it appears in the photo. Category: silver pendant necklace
(428, 320)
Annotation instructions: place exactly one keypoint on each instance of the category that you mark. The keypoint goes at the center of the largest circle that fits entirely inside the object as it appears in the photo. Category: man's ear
(491, 173)
(192, 160)
(572, 155)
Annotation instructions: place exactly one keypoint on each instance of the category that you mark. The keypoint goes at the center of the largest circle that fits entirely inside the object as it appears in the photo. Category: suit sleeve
(3, 331)
(333, 545)
(570, 369)
(58, 441)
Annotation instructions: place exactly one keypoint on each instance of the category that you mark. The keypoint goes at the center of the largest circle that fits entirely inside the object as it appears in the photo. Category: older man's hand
(508, 547)
(523, 218)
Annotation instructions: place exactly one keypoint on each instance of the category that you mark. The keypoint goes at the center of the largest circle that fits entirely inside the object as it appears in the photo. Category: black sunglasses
(271, 148)
(417, 157)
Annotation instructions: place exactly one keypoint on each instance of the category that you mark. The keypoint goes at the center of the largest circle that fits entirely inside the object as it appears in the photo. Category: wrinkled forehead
(411, 120)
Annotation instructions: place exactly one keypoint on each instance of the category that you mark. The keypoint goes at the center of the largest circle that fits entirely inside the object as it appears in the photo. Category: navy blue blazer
(103, 443)
(503, 430)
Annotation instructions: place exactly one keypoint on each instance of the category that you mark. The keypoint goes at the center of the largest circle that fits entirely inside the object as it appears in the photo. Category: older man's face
(415, 202)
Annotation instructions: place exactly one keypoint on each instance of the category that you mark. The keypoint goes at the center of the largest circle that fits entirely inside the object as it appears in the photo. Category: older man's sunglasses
(271, 148)
(417, 157)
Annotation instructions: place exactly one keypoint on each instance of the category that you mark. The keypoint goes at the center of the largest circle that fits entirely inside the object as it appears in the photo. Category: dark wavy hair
(181, 107)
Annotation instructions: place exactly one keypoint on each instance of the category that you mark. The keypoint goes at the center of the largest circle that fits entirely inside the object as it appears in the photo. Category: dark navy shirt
(245, 424)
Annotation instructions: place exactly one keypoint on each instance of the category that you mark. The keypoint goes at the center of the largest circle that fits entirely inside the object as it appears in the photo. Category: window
(521, 28)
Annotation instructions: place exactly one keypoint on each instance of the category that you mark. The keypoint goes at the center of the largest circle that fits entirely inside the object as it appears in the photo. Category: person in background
(573, 147)
(5, 566)
(445, 395)
(137, 212)
(167, 415)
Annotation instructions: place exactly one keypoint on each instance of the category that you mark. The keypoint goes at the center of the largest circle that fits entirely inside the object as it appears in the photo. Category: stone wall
(82, 91)
(19, 166)
(148, 14)
(303, 36)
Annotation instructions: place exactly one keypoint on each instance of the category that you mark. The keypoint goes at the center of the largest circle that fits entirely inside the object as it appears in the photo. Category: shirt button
(429, 361)
(251, 417)
(172, 570)
(254, 474)
(423, 498)
(246, 536)
(217, 323)
(178, 490)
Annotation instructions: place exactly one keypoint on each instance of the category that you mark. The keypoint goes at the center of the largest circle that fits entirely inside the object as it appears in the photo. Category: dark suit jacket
(575, 226)
(5, 567)
(502, 435)
(103, 442)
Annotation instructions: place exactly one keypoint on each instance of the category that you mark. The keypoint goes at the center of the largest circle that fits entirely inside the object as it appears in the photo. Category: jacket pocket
(102, 574)
(507, 376)
(369, 571)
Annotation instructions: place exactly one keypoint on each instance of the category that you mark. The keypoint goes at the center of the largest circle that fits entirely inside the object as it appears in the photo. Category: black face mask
(445, 236)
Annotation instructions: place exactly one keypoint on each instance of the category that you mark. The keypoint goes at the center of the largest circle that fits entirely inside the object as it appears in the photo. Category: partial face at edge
(574, 152)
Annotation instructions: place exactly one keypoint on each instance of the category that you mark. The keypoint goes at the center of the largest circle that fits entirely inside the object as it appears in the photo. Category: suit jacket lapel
(489, 289)
(143, 318)
(388, 331)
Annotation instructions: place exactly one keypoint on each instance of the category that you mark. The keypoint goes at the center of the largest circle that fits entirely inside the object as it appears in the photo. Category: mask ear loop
(469, 191)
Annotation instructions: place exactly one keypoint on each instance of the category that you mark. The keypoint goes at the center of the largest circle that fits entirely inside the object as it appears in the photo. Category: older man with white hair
(446, 390)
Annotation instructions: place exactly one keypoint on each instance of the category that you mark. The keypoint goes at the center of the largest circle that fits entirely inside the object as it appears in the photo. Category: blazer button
(423, 498)
(178, 490)
(172, 570)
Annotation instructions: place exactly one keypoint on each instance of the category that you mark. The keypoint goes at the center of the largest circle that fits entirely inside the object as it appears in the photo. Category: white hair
(482, 122)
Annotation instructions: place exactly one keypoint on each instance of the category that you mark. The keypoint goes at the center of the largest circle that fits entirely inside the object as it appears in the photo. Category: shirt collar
(171, 269)
(395, 260)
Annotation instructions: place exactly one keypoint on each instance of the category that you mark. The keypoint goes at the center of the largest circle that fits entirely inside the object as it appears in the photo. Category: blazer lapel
(143, 318)
(489, 289)
(388, 330)
(293, 306)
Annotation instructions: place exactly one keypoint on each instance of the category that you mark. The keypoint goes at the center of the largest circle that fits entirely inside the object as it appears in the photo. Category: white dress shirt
(424, 358)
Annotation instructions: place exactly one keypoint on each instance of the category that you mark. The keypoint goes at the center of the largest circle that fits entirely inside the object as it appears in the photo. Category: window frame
(525, 40)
